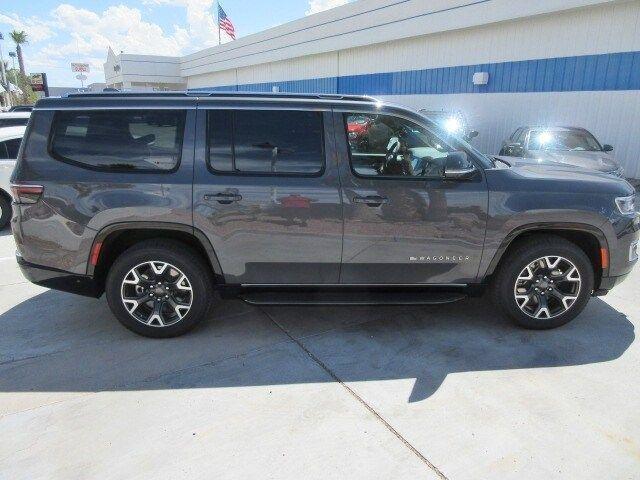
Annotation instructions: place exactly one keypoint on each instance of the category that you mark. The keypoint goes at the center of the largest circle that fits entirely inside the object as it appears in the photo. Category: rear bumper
(59, 279)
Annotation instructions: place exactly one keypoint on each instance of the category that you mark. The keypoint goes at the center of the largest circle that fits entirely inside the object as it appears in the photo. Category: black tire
(5, 211)
(524, 254)
(177, 255)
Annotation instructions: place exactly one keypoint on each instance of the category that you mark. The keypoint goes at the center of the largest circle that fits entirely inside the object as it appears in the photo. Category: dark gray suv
(169, 202)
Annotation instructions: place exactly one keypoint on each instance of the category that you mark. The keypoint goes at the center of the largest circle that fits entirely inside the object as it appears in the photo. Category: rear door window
(119, 140)
(267, 142)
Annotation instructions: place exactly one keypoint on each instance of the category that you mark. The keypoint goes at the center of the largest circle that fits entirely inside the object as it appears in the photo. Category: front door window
(389, 146)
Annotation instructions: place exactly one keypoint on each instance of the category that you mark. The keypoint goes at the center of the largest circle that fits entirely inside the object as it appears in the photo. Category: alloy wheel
(547, 287)
(157, 293)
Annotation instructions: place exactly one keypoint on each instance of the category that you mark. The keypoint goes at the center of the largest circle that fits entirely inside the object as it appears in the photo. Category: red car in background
(357, 126)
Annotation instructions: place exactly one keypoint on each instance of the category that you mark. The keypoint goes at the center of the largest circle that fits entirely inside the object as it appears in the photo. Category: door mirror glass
(607, 148)
(458, 167)
(473, 134)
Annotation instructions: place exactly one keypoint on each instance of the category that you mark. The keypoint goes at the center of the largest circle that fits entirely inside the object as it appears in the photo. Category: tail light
(26, 193)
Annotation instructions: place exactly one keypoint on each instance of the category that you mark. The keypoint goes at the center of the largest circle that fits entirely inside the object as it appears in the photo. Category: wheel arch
(114, 239)
(587, 237)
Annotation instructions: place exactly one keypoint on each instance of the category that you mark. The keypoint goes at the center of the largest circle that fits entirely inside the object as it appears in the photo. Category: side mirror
(458, 167)
(473, 134)
(607, 148)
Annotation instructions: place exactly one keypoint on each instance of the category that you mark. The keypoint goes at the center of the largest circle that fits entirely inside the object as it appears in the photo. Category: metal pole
(3, 75)
(218, 19)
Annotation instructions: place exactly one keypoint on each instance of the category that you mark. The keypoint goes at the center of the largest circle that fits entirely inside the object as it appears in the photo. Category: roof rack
(231, 93)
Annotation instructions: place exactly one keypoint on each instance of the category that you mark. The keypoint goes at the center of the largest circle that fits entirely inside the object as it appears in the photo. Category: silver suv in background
(569, 145)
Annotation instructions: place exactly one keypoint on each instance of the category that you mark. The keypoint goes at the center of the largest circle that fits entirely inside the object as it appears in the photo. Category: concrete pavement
(451, 391)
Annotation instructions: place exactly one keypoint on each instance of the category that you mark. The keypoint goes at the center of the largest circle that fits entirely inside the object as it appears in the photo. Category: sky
(82, 30)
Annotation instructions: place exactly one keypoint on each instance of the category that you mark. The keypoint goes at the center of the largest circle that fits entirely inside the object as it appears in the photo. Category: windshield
(564, 140)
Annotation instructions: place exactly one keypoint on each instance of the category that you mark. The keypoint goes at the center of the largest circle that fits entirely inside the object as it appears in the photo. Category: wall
(135, 70)
(576, 66)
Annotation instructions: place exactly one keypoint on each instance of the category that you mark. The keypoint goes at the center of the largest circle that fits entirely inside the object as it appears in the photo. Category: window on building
(265, 142)
(388, 146)
(127, 140)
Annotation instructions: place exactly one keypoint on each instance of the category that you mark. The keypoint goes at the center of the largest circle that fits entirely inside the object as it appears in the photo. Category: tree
(26, 95)
(20, 38)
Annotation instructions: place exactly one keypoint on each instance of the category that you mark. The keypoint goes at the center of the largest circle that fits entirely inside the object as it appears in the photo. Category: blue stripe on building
(605, 72)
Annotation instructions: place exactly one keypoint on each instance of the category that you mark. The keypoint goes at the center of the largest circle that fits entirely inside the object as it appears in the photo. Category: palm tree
(20, 38)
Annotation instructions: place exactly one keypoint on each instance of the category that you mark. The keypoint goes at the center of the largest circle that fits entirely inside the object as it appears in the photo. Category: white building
(143, 72)
(570, 62)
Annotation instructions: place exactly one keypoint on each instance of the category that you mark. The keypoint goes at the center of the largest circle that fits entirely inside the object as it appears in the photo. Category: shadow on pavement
(56, 342)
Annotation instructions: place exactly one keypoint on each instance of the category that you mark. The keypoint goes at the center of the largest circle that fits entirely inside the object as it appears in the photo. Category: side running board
(350, 298)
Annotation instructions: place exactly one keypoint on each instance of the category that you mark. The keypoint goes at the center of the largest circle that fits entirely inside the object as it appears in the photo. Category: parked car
(21, 108)
(453, 123)
(14, 119)
(10, 138)
(568, 145)
(169, 201)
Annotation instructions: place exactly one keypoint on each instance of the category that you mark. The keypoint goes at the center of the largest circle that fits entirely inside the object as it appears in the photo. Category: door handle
(224, 198)
(371, 200)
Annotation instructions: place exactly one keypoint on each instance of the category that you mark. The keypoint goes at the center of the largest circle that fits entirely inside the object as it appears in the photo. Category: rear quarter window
(119, 140)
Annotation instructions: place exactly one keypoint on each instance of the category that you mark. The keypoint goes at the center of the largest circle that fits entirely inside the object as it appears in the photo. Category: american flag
(225, 23)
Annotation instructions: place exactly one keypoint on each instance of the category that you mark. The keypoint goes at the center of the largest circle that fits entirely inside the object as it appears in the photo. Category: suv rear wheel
(544, 282)
(159, 288)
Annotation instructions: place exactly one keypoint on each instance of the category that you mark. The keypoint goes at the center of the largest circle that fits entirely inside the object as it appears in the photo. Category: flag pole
(218, 18)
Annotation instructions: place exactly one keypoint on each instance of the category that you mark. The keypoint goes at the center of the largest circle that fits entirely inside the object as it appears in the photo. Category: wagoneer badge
(441, 258)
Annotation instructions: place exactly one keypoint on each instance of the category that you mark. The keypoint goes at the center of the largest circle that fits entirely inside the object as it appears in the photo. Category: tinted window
(266, 141)
(13, 122)
(384, 145)
(12, 146)
(120, 139)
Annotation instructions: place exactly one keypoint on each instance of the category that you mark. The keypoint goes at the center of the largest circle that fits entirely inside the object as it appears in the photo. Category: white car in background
(14, 119)
(10, 138)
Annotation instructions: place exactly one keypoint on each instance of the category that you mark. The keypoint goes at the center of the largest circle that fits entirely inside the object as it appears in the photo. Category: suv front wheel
(159, 288)
(544, 282)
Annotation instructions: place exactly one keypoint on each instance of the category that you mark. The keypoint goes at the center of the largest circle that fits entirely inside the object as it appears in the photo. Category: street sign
(81, 77)
(80, 67)
(39, 83)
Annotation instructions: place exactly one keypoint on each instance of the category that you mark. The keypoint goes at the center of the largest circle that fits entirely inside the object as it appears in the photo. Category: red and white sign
(80, 67)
